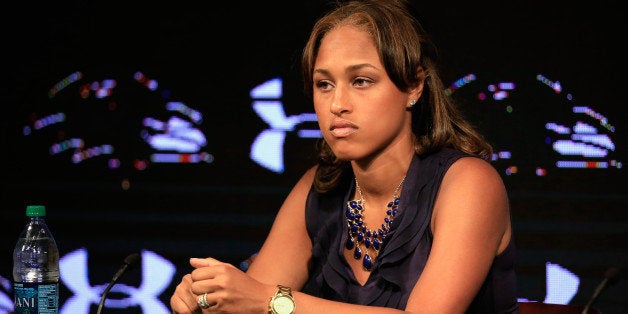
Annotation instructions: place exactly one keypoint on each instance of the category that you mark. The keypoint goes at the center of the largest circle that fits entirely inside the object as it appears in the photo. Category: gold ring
(202, 301)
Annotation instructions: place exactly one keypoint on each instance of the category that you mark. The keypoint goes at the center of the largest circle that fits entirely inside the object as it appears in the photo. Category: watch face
(283, 305)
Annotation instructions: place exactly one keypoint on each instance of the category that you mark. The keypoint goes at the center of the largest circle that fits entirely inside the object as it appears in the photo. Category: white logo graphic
(156, 276)
(267, 149)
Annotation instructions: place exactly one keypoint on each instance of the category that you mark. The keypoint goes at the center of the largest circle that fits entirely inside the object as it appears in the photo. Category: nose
(339, 104)
(335, 107)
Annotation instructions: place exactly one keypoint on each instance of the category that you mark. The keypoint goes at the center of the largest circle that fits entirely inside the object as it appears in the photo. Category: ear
(414, 92)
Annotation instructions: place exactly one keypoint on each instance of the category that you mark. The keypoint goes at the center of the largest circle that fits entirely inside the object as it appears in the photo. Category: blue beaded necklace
(360, 235)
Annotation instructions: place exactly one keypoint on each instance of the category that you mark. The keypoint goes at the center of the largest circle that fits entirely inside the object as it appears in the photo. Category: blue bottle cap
(35, 210)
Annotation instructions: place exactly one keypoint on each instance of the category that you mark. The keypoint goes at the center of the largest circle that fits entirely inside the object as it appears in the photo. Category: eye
(362, 82)
(323, 85)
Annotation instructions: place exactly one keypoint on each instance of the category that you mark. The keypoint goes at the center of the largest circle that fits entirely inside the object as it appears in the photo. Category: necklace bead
(359, 234)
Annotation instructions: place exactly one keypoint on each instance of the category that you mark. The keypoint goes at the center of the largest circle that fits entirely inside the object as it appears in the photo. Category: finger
(179, 306)
(183, 300)
(203, 274)
(209, 273)
(204, 262)
(187, 295)
(187, 279)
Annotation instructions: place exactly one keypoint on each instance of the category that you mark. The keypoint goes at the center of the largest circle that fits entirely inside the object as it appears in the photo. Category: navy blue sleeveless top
(406, 248)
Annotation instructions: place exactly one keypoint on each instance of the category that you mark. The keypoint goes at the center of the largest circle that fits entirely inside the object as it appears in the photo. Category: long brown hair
(405, 49)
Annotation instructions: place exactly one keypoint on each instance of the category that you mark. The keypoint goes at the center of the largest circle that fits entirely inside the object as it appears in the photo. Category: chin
(346, 151)
(345, 155)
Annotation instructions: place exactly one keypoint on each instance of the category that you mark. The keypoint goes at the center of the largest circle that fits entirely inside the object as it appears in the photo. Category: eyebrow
(349, 68)
(360, 66)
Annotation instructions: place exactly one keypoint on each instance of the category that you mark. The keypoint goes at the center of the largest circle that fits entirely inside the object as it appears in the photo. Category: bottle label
(36, 298)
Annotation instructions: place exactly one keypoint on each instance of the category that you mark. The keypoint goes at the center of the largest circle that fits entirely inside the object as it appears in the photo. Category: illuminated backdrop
(177, 131)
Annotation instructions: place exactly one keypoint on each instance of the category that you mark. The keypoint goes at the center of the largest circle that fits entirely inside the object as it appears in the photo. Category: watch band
(284, 290)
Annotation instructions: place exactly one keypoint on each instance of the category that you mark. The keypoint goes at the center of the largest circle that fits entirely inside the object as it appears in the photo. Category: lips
(342, 128)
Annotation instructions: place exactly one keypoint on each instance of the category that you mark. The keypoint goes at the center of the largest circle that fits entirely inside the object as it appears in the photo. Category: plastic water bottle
(36, 266)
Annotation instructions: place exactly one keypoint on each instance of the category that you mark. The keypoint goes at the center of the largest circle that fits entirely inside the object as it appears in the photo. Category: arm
(285, 254)
(471, 225)
(283, 259)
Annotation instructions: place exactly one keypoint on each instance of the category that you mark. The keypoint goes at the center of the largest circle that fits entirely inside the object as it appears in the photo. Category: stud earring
(412, 103)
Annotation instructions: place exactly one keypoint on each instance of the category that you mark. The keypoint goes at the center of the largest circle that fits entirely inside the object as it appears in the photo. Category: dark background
(210, 56)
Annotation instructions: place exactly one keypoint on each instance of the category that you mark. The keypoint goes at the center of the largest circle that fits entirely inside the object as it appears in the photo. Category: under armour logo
(267, 148)
(157, 275)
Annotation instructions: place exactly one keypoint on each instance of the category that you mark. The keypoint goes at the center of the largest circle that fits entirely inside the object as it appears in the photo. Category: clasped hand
(228, 289)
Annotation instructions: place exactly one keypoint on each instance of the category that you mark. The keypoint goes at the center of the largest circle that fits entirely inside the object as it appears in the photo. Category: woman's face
(361, 113)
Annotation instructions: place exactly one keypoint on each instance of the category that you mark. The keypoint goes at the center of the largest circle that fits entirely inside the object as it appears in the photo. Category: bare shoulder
(472, 170)
(473, 185)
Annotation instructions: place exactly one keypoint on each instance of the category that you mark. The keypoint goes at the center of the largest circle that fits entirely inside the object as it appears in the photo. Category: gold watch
(282, 302)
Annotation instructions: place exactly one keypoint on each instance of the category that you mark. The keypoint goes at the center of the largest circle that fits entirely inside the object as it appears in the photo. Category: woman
(402, 213)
